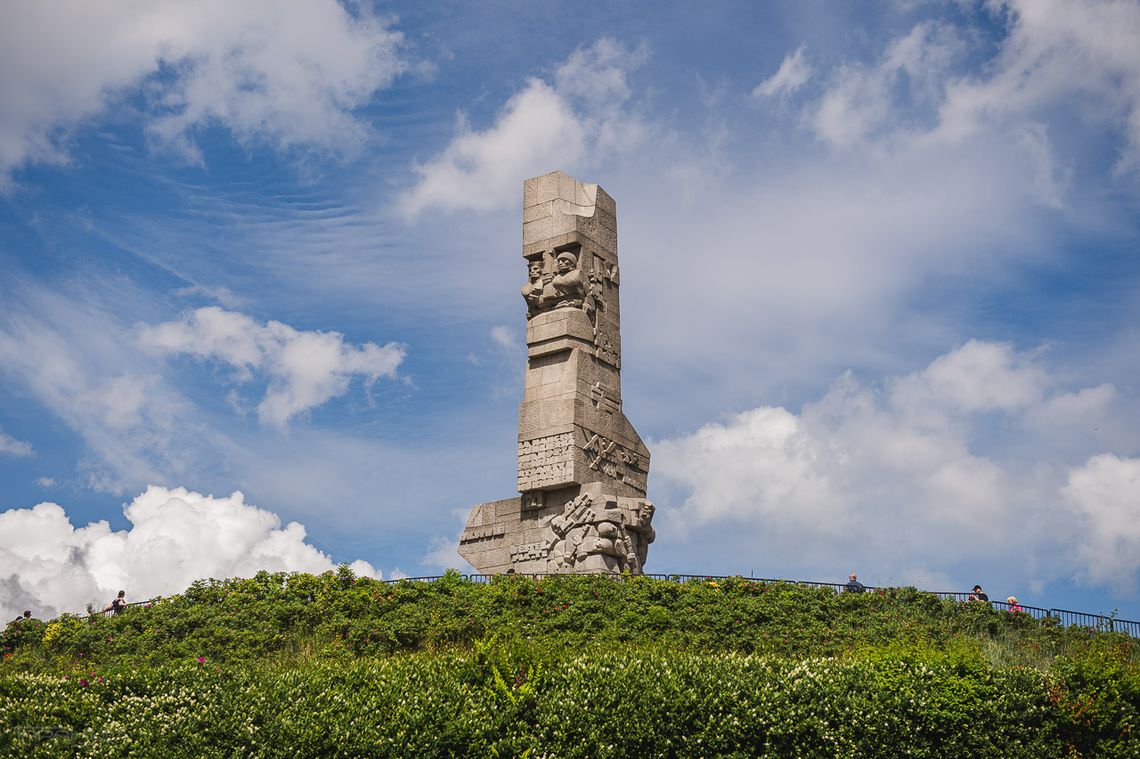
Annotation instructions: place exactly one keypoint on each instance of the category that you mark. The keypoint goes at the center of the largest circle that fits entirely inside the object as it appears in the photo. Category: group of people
(854, 586)
(980, 595)
(115, 607)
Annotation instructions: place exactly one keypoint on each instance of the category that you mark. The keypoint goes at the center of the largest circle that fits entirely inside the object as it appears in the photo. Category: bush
(563, 666)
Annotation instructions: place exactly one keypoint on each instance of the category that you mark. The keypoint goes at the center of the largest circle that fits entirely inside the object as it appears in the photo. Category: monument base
(578, 529)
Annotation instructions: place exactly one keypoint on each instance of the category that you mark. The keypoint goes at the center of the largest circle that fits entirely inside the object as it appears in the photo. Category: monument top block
(557, 208)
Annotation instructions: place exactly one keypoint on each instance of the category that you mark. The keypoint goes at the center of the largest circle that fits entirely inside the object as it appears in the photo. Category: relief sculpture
(591, 537)
(563, 288)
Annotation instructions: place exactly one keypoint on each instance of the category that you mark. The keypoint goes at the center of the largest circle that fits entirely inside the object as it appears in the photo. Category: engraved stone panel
(546, 462)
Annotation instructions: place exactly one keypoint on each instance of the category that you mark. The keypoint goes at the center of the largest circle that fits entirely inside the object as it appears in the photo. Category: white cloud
(305, 368)
(1105, 492)
(793, 73)
(176, 536)
(1082, 56)
(12, 447)
(1078, 57)
(860, 104)
(443, 553)
(979, 376)
(288, 74)
(889, 476)
(45, 482)
(582, 117)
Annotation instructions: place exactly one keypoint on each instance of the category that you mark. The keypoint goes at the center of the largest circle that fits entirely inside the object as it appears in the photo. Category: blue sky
(259, 265)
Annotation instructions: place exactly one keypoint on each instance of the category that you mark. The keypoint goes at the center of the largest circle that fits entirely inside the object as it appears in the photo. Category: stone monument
(583, 470)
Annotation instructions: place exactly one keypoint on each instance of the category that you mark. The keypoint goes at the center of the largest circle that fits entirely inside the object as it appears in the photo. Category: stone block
(567, 186)
(538, 230)
(542, 189)
(537, 212)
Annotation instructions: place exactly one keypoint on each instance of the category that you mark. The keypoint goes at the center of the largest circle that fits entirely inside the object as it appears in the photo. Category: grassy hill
(298, 665)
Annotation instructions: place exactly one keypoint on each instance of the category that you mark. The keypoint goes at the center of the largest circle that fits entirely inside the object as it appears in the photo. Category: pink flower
(201, 659)
(83, 682)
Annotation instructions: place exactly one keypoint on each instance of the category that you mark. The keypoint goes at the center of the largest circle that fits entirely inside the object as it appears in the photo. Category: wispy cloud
(793, 73)
(10, 446)
(287, 75)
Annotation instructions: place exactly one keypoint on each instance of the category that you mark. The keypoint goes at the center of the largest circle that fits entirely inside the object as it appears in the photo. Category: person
(27, 617)
(979, 594)
(853, 585)
(119, 604)
(1014, 606)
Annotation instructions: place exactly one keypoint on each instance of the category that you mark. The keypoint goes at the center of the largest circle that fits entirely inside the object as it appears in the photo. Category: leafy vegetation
(563, 666)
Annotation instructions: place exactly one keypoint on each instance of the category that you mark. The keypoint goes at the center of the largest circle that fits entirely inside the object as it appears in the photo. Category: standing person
(1014, 606)
(118, 604)
(853, 585)
(979, 594)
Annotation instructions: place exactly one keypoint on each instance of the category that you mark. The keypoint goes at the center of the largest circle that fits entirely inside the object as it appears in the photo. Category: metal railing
(1036, 612)
(1063, 617)
(111, 612)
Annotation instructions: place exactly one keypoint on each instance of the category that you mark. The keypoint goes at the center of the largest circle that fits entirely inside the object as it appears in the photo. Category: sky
(260, 264)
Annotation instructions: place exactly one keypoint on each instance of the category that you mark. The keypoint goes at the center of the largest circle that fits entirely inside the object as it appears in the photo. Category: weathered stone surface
(583, 470)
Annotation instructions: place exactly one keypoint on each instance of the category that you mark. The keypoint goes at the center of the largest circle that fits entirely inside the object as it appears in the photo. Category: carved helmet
(569, 254)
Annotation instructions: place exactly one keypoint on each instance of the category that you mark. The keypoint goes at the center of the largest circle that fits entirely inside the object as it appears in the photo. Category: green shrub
(336, 665)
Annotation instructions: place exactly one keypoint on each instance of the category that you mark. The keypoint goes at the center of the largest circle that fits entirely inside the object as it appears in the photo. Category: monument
(583, 470)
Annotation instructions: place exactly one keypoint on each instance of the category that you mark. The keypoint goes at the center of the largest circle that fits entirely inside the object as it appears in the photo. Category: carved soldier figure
(569, 289)
(641, 530)
(532, 290)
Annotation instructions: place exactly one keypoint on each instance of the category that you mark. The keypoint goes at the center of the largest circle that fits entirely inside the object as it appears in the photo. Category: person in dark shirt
(119, 604)
(853, 585)
(979, 594)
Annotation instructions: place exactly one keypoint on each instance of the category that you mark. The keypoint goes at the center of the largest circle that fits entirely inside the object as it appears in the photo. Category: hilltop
(565, 666)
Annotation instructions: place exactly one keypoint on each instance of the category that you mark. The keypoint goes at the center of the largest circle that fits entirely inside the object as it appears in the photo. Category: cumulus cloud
(1105, 492)
(584, 112)
(305, 368)
(10, 446)
(793, 73)
(891, 475)
(979, 376)
(288, 74)
(176, 537)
